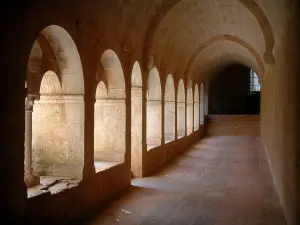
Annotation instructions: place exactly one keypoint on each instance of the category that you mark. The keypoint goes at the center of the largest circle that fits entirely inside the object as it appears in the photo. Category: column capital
(29, 101)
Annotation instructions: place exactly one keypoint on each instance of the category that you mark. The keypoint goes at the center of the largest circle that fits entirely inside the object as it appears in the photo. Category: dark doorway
(234, 90)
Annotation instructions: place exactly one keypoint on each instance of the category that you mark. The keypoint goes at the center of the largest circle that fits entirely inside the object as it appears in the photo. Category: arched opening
(136, 120)
(110, 113)
(196, 108)
(189, 109)
(201, 104)
(180, 110)
(234, 90)
(54, 108)
(154, 115)
(169, 110)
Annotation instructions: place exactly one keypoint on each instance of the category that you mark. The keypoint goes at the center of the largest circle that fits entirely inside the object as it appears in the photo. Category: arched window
(254, 84)
(169, 109)
(154, 115)
(54, 123)
(180, 110)
(110, 113)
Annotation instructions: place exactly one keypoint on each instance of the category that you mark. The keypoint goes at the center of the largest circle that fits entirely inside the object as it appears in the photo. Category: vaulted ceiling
(187, 38)
(197, 34)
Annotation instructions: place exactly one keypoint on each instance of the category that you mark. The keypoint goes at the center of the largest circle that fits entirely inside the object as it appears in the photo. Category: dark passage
(234, 90)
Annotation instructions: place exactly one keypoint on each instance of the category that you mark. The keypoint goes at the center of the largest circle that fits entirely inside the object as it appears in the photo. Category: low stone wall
(236, 125)
(73, 204)
(157, 157)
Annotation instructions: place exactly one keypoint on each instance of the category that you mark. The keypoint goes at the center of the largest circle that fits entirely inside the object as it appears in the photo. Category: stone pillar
(89, 151)
(184, 105)
(136, 131)
(176, 115)
(29, 178)
(162, 142)
(261, 82)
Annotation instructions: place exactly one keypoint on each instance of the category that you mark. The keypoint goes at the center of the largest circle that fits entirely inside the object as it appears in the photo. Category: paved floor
(218, 181)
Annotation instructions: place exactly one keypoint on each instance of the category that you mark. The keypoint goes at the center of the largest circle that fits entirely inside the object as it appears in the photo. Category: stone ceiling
(181, 37)
(191, 25)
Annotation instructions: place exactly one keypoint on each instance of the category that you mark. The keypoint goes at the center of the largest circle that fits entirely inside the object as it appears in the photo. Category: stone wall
(159, 156)
(154, 122)
(189, 116)
(70, 205)
(170, 121)
(181, 119)
(58, 136)
(280, 116)
(110, 130)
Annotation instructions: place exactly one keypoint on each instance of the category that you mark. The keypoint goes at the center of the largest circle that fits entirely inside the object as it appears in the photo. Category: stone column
(89, 151)
(176, 116)
(261, 82)
(29, 178)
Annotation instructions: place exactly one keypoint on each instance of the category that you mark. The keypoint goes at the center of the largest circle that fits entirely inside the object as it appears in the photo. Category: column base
(31, 180)
(88, 171)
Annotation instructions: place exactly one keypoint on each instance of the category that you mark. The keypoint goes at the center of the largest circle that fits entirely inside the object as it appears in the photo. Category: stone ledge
(52, 185)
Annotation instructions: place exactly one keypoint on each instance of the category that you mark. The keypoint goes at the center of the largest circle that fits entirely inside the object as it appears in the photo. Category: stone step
(234, 125)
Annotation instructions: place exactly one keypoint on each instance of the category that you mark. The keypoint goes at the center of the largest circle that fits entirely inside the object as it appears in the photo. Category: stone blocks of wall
(58, 137)
(180, 119)
(154, 115)
(110, 119)
(159, 156)
(77, 202)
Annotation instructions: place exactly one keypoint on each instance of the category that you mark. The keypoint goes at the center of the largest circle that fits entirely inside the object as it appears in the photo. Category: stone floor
(218, 181)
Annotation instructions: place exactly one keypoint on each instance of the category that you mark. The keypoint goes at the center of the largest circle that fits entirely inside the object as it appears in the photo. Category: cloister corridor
(220, 180)
(150, 112)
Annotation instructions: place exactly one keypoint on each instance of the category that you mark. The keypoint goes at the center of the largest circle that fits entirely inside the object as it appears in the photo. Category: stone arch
(180, 110)
(229, 38)
(266, 28)
(251, 5)
(190, 108)
(136, 120)
(34, 67)
(154, 110)
(67, 58)
(170, 89)
(169, 109)
(196, 108)
(58, 109)
(50, 84)
(49, 58)
(109, 113)
(101, 91)
(35, 58)
(113, 73)
(154, 85)
(136, 77)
